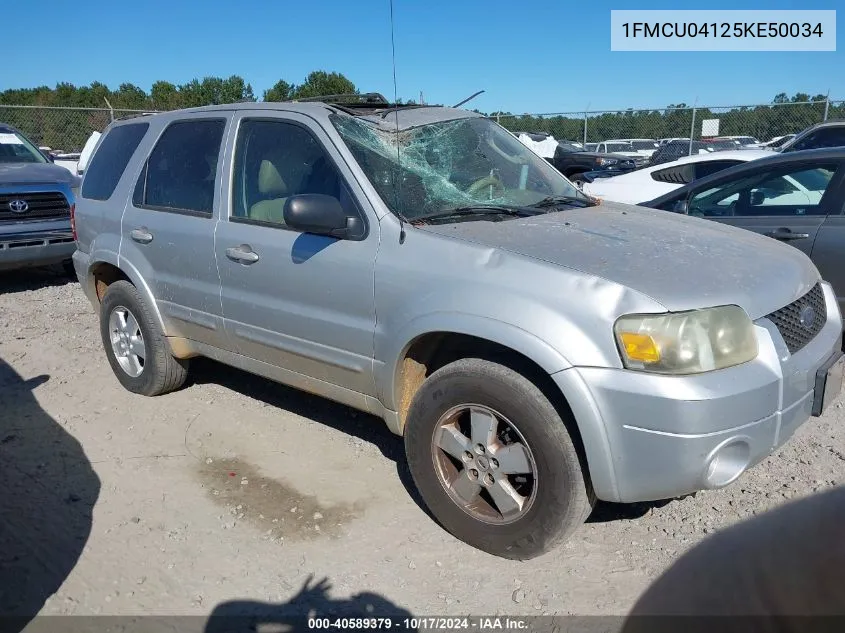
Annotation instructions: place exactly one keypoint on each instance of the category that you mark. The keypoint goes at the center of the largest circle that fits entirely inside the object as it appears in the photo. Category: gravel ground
(236, 488)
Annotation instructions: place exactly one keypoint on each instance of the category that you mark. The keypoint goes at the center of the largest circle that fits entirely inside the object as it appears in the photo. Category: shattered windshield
(448, 165)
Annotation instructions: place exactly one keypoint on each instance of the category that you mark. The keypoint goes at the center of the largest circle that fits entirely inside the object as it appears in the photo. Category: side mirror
(681, 206)
(322, 215)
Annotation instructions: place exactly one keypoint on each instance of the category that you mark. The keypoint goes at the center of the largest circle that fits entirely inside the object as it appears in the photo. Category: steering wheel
(488, 181)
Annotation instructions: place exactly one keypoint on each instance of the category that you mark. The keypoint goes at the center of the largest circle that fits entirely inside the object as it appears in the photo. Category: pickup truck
(573, 161)
(36, 198)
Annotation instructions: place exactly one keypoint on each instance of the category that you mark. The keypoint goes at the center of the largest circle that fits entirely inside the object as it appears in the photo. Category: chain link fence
(67, 129)
(762, 122)
(61, 129)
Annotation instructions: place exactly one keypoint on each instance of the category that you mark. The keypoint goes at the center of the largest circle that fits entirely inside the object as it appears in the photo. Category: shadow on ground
(312, 601)
(361, 425)
(33, 279)
(605, 512)
(47, 493)
(337, 416)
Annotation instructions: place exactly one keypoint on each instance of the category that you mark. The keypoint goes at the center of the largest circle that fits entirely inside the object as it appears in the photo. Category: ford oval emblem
(807, 316)
(18, 206)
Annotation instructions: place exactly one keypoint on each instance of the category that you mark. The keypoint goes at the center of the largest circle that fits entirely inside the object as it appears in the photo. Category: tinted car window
(791, 191)
(712, 166)
(824, 137)
(275, 160)
(181, 169)
(110, 159)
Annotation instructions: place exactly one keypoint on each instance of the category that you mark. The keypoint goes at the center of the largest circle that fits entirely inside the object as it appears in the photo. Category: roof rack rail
(133, 115)
(352, 99)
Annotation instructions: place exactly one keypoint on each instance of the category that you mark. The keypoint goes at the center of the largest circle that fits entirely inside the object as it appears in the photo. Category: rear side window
(111, 159)
(712, 166)
(181, 170)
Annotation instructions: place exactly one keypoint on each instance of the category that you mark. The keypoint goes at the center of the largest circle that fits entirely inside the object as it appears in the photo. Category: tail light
(73, 222)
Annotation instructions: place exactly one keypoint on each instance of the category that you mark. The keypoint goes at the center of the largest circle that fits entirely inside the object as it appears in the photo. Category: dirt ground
(236, 488)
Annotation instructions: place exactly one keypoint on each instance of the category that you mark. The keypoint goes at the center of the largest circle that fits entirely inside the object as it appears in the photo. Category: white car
(649, 183)
(745, 141)
(643, 146)
(777, 141)
(623, 148)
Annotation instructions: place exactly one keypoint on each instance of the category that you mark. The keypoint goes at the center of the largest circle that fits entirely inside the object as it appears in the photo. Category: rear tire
(134, 344)
(549, 503)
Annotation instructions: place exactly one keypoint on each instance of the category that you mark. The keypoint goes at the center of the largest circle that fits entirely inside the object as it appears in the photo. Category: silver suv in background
(535, 349)
(36, 199)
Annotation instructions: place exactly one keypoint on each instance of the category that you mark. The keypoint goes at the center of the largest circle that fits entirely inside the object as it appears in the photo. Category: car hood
(683, 263)
(35, 173)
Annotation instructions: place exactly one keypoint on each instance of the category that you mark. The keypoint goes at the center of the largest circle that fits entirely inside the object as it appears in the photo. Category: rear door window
(180, 173)
(110, 160)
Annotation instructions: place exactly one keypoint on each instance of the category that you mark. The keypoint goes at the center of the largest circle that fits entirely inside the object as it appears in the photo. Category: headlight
(686, 342)
(75, 192)
(606, 161)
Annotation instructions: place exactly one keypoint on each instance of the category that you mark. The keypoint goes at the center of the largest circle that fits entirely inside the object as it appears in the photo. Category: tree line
(69, 129)
(785, 115)
(164, 95)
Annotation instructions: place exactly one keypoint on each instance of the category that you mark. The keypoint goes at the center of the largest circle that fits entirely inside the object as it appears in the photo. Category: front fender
(387, 373)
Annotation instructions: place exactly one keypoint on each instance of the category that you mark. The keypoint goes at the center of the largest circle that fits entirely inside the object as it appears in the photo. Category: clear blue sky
(529, 55)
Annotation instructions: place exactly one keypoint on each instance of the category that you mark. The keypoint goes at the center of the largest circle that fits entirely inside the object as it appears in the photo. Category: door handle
(786, 234)
(243, 254)
(142, 235)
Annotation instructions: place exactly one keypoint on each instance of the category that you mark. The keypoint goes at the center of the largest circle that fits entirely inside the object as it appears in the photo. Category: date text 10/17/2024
(494, 623)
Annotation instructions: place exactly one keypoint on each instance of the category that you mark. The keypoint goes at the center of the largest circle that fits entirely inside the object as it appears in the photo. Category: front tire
(135, 346)
(493, 460)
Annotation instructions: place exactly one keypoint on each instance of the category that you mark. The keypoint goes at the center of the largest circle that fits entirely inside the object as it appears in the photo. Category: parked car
(673, 150)
(661, 142)
(591, 147)
(543, 145)
(622, 148)
(795, 197)
(536, 351)
(743, 140)
(573, 161)
(642, 146)
(36, 198)
(650, 182)
(725, 142)
(778, 141)
(828, 134)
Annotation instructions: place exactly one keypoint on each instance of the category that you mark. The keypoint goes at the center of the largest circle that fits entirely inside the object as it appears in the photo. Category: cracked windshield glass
(458, 165)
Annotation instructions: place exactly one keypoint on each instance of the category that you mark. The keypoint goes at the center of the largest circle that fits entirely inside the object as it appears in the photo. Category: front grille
(39, 206)
(800, 321)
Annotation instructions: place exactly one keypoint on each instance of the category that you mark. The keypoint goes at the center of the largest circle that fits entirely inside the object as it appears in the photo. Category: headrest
(269, 179)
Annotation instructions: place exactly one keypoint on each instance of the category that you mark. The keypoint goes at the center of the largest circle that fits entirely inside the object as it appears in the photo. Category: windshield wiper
(555, 201)
(477, 210)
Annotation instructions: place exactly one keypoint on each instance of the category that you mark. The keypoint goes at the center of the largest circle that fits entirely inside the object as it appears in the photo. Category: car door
(168, 226)
(785, 202)
(297, 301)
(829, 247)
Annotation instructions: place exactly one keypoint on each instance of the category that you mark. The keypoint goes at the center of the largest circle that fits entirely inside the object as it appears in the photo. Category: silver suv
(537, 350)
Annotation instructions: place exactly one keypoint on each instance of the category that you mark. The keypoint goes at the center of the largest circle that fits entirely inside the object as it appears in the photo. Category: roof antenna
(398, 182)
(469, 98)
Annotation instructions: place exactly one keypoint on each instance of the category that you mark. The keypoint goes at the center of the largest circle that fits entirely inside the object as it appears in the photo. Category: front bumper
(36, 248)
(655, 437)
